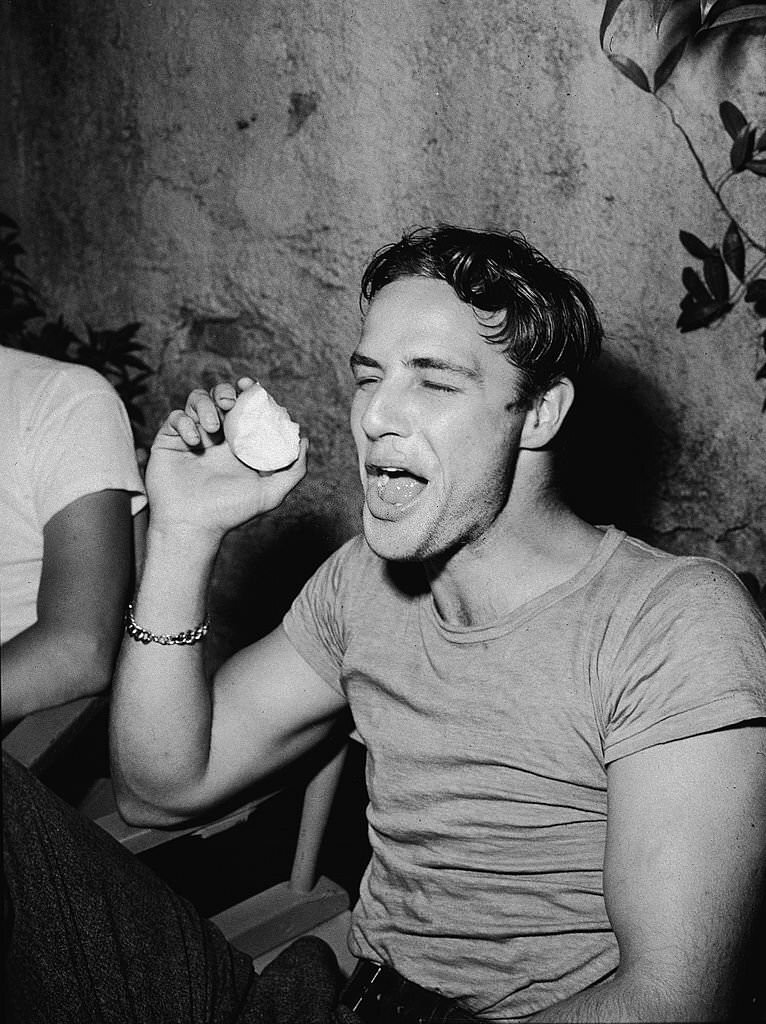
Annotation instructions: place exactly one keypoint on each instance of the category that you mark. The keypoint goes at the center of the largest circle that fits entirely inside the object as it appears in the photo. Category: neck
(535, 544)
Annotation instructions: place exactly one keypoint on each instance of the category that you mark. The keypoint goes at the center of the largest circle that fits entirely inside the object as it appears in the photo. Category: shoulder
(317, 622)
(71, 383)
(35, 373)
(684, 650)
(645, 578)
(681, 600)
(349, 586)
(348, 568)
(44, 392)
(702, 608)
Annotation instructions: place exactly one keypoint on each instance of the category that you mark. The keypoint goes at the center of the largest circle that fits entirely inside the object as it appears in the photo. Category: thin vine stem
(725, 177)
(706, 177)
(760, 265)
(741, 288)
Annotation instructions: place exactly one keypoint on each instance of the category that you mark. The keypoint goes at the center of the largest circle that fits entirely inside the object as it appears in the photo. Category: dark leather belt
(379, 995)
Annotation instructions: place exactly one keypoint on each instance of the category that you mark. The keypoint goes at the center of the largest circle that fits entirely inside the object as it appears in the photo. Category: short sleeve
(314, 624)
(79, 442)
(692, 660)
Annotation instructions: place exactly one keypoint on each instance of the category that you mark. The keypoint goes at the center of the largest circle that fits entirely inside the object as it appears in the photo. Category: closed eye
(433, 385)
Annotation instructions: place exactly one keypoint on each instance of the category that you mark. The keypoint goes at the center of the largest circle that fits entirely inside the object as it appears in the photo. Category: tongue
(398, 490)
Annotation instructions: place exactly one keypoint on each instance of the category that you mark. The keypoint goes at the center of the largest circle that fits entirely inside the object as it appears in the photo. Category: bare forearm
(161, 707)
(162, 738)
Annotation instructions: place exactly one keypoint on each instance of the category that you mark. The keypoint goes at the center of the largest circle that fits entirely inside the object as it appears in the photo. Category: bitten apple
(260, 432)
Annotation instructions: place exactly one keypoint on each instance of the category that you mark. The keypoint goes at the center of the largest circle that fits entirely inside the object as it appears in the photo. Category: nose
(385, 412)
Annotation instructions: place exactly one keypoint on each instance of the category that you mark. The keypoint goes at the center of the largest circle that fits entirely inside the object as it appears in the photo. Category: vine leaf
(742, 148)
(756, 293)
(606, 19)
(732, 118)
(699, 307)
(716, 277)
(698, 293)
(757, 167)
(693, 245)
(666, 68)
(734, 251)
(631, 70)
(705, 301)
(693, 315)
(659, 9)
(722, 13)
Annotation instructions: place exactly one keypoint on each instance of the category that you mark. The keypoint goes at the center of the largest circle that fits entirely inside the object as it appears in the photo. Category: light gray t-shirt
(64, 433)
(487, 750)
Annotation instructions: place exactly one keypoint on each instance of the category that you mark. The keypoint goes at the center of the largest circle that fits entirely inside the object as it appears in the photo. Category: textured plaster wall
(220, 170)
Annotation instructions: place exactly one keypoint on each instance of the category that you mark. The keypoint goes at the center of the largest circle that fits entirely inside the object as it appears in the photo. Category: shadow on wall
(619, 435)
(260, 570)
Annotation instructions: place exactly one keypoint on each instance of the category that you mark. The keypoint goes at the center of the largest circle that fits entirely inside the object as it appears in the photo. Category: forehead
(415, 316)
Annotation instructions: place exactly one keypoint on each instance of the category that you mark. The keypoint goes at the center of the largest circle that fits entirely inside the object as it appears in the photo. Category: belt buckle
(361, 984)
(375, 990)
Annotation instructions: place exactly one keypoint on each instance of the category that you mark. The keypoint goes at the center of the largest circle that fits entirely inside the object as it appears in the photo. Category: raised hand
(193, 478)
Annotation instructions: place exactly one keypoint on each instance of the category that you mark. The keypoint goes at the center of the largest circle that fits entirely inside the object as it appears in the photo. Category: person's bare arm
(683, 879)
(265, 707)
(86, 578)
(180, 745)
(140, 526)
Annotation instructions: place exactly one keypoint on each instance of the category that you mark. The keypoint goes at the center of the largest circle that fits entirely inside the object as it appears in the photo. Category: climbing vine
(731, 270)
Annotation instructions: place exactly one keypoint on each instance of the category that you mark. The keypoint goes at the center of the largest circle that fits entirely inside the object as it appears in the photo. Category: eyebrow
(428, 363)
(421, 363)
(357, 360)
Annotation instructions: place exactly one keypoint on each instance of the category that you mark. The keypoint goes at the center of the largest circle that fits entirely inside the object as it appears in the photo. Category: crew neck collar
(486, 631)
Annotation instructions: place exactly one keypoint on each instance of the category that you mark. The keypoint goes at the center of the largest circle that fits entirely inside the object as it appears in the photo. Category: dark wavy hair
(549, 327)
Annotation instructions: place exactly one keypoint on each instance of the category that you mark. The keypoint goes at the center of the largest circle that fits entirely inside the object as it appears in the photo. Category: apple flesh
(260, 432)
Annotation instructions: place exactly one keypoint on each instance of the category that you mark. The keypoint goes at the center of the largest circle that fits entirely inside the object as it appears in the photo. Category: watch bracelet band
(145, 636)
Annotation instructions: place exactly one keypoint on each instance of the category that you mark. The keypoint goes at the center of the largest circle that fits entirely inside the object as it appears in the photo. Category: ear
(544, 419)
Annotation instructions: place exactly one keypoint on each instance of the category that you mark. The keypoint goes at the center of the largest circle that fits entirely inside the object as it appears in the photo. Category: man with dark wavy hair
(564, 726)
(540, 317)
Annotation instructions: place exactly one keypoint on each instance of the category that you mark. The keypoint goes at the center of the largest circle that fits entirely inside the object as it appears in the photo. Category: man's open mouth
(396, 486)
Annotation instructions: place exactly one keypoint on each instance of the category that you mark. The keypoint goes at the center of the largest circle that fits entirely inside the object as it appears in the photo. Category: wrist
(188, 537)
(184, 637)
(174, 577)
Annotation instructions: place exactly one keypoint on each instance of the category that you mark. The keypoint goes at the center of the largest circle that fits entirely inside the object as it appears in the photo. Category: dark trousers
(91, 935)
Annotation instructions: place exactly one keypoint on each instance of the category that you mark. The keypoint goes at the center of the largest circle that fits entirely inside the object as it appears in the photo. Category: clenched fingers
(201, 407)
(184, 426)
(201, 419)
(223, 395)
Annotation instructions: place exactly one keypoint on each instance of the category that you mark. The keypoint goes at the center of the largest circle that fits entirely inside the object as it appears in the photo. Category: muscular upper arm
(88, 564)
(685, 862)
(269, 707)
